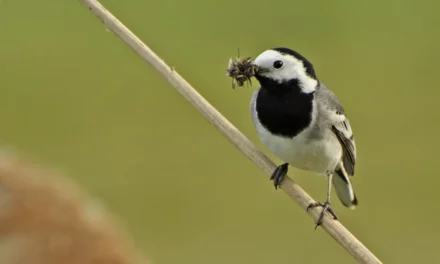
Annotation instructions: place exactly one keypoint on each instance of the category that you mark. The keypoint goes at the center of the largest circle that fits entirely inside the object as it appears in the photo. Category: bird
(303, 124)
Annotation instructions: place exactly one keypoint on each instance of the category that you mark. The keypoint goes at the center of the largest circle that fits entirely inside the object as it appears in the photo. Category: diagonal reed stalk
(334, 228)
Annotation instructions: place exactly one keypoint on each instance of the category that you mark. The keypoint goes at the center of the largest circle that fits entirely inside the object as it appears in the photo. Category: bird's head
(283, 65)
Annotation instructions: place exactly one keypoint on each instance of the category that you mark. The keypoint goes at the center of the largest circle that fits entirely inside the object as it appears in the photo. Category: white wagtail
(301, 121)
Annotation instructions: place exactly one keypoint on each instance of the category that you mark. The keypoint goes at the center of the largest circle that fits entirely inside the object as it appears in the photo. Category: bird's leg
(325, 206)
(279, 174)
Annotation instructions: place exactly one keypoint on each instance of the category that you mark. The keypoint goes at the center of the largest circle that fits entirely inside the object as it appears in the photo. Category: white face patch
(292, 68)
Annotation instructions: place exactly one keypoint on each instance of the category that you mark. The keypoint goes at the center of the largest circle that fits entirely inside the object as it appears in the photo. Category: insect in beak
(241, 70)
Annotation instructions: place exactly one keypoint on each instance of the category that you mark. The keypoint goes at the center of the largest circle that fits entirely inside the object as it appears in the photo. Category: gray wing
(338, 121)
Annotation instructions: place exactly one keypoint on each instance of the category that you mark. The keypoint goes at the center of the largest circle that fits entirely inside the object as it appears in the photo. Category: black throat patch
(282, 108)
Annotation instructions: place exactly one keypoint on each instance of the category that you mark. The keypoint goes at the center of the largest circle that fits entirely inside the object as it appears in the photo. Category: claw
(325, 208)
(279, 174)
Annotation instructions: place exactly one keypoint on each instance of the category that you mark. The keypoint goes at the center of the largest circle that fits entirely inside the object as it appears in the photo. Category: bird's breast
(285, 112)
(294, 143)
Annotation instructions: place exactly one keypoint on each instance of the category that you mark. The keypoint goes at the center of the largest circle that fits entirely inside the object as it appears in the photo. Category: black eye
(278, 64)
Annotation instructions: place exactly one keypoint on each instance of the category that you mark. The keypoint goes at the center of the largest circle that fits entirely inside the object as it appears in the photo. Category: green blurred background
(74, 96)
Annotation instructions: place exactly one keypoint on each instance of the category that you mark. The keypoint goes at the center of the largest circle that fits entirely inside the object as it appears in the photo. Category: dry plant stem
(295, 192)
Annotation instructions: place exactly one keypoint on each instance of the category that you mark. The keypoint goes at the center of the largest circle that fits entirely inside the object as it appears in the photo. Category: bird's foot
(279, 174)
(325, 208)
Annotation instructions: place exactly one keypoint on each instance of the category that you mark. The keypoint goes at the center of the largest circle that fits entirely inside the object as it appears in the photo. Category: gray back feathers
(332, 115)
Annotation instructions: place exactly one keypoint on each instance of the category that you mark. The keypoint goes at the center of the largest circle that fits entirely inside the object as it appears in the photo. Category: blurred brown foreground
(46, 219)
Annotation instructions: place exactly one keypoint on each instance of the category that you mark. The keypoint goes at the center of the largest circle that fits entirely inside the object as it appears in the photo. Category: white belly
(317, 155)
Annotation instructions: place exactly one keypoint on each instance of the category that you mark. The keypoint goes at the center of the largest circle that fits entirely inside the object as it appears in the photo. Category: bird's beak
(260, 70)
